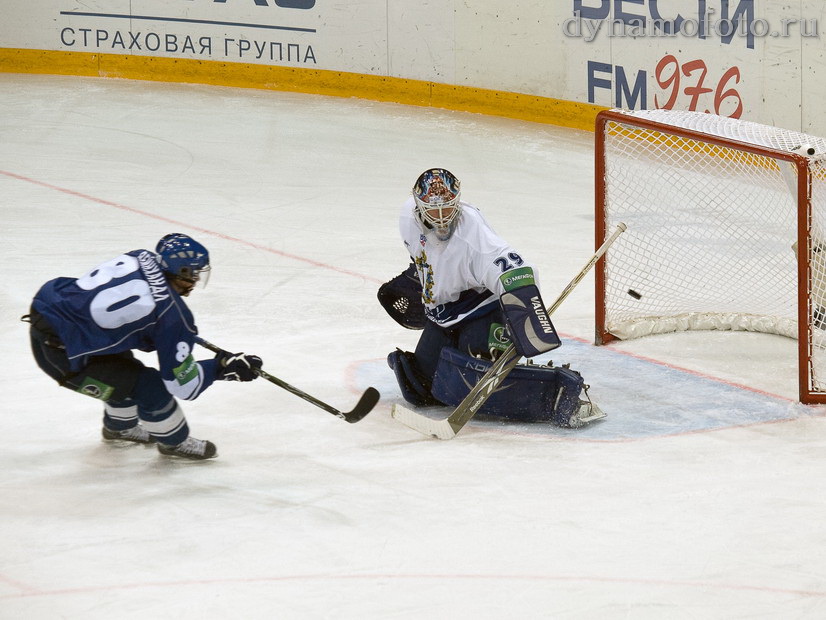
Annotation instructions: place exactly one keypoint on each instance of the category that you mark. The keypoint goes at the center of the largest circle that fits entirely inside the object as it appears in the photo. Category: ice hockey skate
(190, 448)
(136, 434)
(586, 413)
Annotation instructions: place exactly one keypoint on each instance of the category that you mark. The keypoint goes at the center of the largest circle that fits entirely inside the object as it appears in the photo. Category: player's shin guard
(167, 425)
(120, 417)
(159, 412)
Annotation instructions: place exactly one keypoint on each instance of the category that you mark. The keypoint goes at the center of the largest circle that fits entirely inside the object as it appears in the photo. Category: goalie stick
(366, 403)
(449, 427)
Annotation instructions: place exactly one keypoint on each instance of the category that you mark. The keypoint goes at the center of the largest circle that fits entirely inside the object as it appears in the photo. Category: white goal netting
(712, 212)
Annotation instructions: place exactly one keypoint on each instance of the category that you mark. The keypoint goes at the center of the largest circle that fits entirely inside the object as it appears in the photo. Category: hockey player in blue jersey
(473, 295)
(83, 331)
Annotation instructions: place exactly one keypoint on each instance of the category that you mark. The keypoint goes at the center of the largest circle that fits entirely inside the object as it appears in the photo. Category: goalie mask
(184, 259)
(436, 194)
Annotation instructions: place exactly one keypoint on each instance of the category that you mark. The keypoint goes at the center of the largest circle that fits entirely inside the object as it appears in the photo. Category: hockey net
(718, 211)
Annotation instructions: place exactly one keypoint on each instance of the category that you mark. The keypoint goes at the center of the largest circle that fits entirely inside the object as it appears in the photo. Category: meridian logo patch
(96, 389)
(187, 371)
(517, 278)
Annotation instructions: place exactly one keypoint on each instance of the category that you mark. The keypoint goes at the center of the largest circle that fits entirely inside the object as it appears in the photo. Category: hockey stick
(493, 378)
(366, 403)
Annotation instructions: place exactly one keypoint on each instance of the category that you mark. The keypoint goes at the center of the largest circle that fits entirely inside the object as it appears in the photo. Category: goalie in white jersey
(473, 295)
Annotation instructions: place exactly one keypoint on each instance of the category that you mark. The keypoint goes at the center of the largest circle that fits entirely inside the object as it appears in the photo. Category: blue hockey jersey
(125, 304)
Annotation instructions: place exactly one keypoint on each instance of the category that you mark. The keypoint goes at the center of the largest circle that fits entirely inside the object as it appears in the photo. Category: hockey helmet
(180, 256)
(436, 194)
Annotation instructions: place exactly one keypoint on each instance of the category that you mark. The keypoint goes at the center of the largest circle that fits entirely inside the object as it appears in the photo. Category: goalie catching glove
(237, 366)
(528, 323)
(401, 297)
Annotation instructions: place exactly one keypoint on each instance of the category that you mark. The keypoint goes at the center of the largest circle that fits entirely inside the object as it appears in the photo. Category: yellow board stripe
(304, 80)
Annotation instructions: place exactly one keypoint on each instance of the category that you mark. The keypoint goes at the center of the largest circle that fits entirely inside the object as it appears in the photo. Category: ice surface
(700, 496)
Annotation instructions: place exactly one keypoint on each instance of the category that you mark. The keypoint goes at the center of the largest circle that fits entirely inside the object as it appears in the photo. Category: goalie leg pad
(411, 381)
(529, 325)
(529, 393)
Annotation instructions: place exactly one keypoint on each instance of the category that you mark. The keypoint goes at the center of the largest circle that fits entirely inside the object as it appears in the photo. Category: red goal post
(726, 230)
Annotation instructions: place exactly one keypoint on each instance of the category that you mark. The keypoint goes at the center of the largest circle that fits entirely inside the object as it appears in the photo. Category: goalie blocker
(529, 325)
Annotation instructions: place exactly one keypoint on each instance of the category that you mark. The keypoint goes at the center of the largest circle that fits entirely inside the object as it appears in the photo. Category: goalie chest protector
(530, 393)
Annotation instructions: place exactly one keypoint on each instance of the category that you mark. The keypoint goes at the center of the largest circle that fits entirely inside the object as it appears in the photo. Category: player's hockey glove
(237, 366)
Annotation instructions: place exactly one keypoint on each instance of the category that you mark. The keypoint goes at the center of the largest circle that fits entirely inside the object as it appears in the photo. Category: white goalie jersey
(461, 275)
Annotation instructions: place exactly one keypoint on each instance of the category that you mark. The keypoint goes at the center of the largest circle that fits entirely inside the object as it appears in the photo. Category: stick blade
(440, 429)
(365, 405)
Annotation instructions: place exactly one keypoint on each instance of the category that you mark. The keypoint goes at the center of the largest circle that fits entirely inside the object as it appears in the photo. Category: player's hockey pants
(130, 389)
